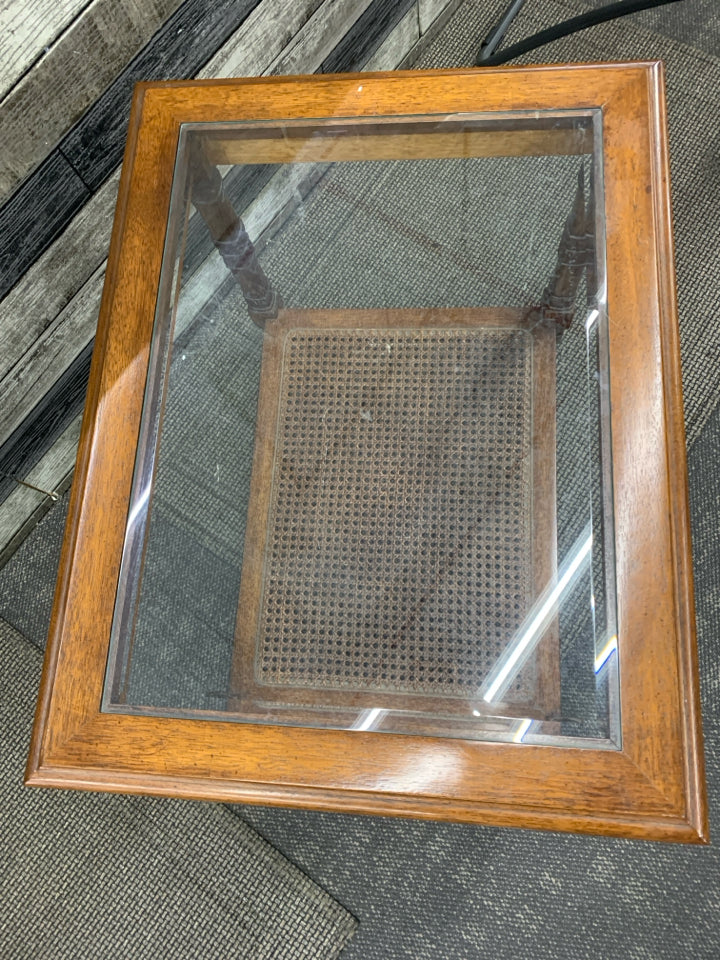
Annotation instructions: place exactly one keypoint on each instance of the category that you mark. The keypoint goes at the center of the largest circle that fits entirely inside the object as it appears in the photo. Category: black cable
(564, 29)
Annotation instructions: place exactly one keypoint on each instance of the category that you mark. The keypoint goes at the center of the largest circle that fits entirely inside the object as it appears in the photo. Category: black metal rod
(493, 40)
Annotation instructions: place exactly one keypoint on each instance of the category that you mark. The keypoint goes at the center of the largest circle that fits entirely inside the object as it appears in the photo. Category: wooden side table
(381, 498)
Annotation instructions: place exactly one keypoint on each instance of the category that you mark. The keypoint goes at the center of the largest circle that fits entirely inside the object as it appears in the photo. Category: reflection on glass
(373, 483)
(535, 624)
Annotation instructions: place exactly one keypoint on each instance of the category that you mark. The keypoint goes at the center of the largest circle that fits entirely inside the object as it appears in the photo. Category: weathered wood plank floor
(67, 70)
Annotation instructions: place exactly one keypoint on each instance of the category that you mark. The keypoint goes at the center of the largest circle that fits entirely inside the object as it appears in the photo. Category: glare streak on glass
(369, 719)
(591, 385)
(545, 607)
(522, 728)
(607, 651)
(138, 508)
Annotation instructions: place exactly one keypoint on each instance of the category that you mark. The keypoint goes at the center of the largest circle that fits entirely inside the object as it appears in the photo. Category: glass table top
(373, 481)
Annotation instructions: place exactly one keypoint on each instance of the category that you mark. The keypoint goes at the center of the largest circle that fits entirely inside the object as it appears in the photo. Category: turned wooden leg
(231, 239)
(575, 254)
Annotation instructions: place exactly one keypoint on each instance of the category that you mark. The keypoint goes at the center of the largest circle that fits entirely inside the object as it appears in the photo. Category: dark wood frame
(653, 786)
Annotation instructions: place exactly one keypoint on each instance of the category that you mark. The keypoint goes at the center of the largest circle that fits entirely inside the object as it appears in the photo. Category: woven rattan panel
(398, 552)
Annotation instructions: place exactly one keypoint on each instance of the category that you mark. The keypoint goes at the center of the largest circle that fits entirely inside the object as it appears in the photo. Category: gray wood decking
(67, 71)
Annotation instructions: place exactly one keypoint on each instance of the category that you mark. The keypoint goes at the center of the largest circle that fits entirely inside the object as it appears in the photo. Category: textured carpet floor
(98, 875)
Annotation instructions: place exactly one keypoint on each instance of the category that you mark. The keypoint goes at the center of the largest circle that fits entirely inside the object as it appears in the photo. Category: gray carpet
(425, 890)
(97, 875)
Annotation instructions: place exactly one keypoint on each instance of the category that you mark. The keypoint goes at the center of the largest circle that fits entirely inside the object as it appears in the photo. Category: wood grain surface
(36, 214)
(653, 785)
(89, 153)
(319, 37)
(40, 108)
(429, 11)
(27, 29)
(396, 45)
(49, 417)
(366, 34)
(256, 45)
(316, 146)
(182, 46)
(52, 282)
(52, 474)
(55, 350)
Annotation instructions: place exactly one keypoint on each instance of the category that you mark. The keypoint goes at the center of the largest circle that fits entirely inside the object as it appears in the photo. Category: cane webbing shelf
(402, 488)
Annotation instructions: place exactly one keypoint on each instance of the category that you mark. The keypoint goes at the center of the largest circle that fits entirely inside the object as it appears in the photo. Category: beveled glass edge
(130, 575)
(521, 732)
(491, 117)
(607, 654)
